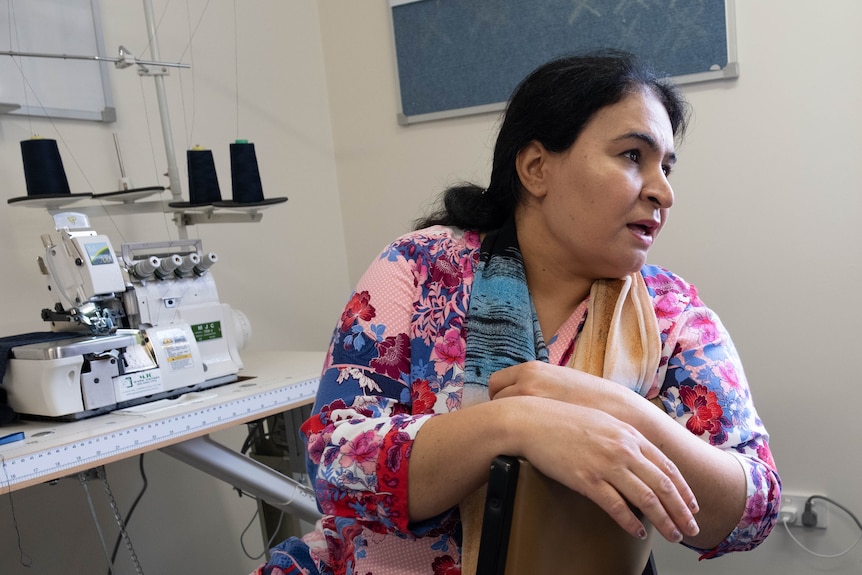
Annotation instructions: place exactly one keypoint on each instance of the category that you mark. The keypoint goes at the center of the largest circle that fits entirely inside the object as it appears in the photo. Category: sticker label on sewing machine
(132, 385)
(99, 253)
(178, 350)
(207, 331)
(137, 358)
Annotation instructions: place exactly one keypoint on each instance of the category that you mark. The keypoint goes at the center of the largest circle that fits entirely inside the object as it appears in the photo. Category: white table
(271, 382)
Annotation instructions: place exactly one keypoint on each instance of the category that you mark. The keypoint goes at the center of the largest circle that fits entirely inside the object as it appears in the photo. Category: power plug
(788, 514)
(798, 511)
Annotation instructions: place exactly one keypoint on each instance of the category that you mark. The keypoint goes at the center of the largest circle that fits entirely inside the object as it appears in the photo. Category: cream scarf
(620, 341)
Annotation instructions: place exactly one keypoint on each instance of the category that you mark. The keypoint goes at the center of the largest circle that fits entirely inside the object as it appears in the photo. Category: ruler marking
(81, 452)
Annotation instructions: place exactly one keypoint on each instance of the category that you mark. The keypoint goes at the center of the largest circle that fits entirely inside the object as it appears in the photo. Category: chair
(532, 524)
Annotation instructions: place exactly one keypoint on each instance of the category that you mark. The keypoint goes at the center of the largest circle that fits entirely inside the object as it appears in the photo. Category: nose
(658, 191)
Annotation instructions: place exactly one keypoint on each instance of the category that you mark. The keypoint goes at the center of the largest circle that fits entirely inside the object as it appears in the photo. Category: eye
(633, 155)
(667, 169)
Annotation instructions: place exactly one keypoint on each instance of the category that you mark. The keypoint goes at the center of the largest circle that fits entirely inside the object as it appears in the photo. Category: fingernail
(693, 528)
(694, 506)
(676, 536)
(642, 533)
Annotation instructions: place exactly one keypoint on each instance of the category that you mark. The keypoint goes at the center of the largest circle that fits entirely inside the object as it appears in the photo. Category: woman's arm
(392, 364)
(583, 448)
(716, 477)
(713, 433)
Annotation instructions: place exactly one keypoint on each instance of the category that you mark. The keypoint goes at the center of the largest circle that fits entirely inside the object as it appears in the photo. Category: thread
(203, 181)
(246, 187)
(244, 173)
(44, 175)
(43, 168)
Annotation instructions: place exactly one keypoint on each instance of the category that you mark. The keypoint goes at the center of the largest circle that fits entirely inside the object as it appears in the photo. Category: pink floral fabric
(396, 359)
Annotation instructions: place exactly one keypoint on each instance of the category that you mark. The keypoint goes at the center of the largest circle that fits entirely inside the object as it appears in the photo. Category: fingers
(666, 503)
(609, 461)
(656, 489)
(533, 378)
(613, 464)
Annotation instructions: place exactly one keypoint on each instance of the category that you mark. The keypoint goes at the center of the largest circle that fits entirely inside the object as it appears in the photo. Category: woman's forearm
(716, 477)
(451, 457)
(587, 450)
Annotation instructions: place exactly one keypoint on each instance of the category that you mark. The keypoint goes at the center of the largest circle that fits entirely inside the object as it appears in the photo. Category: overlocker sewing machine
(150, 322)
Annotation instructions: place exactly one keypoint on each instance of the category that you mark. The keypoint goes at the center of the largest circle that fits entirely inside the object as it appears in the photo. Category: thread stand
(129, 196)
(125, 202)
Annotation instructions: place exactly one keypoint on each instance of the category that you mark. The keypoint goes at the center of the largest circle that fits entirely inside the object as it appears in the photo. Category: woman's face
(598, 206)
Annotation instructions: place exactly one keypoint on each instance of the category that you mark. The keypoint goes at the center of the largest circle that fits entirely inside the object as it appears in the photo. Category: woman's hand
(540, 379)
(590, 450)
(611, 463)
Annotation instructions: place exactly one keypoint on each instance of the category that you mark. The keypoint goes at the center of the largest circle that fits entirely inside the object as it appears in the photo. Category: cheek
(664, 214)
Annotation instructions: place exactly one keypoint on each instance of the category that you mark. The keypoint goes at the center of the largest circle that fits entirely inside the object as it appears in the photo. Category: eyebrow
(649, 140)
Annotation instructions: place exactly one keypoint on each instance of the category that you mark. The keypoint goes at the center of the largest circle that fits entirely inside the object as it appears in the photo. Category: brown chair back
(532, 524)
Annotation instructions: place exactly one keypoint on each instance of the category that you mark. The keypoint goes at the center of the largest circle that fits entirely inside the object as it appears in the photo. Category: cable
(809, 515)
(131, 510)
(809, 512)
(268, 545)
(82, 477)
(119, 519)
(255, 432)
(23, 558)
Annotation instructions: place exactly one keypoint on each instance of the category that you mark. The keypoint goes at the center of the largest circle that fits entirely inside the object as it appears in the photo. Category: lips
(644, 227)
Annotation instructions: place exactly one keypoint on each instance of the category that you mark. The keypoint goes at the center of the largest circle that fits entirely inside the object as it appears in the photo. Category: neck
(555, 290)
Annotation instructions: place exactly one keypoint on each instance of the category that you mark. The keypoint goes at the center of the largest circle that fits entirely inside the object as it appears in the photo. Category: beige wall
(766, 224)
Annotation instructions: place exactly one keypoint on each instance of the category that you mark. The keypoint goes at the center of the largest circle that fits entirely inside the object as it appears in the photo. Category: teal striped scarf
(502, 326)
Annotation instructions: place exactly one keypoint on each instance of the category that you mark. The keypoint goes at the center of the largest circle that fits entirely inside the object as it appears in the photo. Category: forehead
(640, 112)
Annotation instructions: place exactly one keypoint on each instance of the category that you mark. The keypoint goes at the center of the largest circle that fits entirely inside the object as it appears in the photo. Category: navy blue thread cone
(246, 187)
(203, 181)
(44, 174)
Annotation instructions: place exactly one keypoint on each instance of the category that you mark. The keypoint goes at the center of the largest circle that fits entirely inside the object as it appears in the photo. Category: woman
(498, 297)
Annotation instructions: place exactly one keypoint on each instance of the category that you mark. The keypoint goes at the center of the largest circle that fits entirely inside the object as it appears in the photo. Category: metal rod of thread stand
(164, 115)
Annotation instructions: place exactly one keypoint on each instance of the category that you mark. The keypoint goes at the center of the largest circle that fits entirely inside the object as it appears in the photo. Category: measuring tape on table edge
(78, 454)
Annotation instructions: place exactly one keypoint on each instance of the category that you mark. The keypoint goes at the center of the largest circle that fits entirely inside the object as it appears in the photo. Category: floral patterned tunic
(396, 359)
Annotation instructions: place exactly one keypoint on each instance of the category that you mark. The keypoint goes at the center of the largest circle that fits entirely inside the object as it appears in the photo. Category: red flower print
(423, 398)
(706, 413)
(395, 452)
(362, 451)
(444, 272)
(445, 566)
(316, 444)
(357, 307)
(394, 356)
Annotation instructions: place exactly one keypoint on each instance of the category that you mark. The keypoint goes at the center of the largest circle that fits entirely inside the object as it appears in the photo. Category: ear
(531, 165)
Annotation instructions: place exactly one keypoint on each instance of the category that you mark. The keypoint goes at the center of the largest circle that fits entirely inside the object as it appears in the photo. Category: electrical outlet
(793, 505)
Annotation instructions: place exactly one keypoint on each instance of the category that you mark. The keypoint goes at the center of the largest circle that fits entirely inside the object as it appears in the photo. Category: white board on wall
(54, 87)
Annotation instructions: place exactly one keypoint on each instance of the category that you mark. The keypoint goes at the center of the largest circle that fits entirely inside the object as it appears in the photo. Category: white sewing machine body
(151, 327)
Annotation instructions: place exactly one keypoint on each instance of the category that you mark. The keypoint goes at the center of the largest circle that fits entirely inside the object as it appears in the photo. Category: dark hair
(551, 105)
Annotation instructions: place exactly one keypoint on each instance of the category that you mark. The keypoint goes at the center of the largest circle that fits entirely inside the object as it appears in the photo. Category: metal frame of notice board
(464, 57)
(74, 87)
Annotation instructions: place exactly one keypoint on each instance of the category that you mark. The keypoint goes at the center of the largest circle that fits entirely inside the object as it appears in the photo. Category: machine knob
(206, 263)
(144, 269)
(188, 264)
(167, 266)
